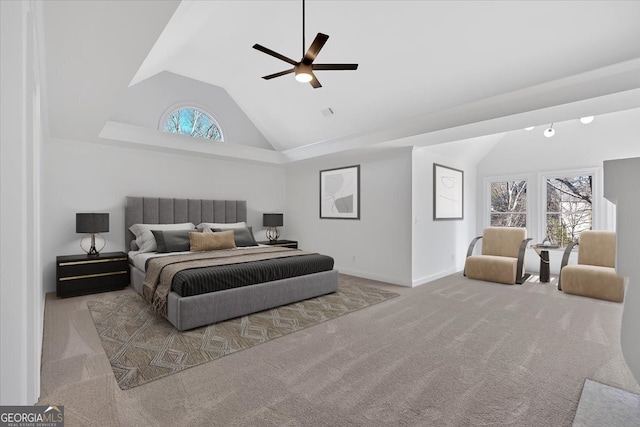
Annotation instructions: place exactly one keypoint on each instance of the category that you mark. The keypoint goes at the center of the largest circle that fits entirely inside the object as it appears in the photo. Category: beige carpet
(453, 352)
(143, 346)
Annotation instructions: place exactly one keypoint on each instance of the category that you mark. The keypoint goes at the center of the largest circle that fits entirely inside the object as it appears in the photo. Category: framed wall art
(448, 193)
(340, 193)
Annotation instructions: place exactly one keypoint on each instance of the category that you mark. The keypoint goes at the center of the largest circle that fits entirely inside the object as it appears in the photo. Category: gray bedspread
(218, 270)
(197, 281)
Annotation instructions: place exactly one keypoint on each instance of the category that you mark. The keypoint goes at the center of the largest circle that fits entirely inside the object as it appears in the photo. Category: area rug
(143, 347)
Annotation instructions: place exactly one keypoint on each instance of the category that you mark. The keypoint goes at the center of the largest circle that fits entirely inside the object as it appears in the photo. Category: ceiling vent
(328, 112)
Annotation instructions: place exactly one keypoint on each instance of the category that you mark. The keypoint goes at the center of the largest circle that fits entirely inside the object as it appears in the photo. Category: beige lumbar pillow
(212, 241)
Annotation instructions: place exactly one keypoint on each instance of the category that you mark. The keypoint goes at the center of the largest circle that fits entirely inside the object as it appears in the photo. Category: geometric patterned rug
(143, 347)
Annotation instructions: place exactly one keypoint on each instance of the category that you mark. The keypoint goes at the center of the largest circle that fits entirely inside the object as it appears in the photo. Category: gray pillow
(172, 240)
(242, 236)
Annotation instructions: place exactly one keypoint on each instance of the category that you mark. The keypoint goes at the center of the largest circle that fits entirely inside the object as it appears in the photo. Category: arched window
(194, 122)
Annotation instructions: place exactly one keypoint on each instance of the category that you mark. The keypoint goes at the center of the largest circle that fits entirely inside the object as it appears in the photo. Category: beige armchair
(502, 258)
(594, 276)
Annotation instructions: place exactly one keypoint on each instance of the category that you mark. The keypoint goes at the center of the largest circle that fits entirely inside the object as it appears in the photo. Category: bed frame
(199, 310)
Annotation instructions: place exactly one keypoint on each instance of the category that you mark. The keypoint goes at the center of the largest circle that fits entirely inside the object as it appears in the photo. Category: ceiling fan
(303, 69)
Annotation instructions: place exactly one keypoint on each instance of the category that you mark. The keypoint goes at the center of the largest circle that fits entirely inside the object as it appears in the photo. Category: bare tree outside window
(569, 207)
(193, 122)
(509, 204)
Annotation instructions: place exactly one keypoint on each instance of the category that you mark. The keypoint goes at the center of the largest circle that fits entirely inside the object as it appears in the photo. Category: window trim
(192, 105)
(486, 220)
(598, 217)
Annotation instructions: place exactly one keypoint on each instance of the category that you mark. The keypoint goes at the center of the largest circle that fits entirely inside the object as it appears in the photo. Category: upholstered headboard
(153, 210)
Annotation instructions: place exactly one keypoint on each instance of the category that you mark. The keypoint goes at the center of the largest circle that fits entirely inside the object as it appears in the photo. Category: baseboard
(373, 276)
(432, 277)
(395, 280)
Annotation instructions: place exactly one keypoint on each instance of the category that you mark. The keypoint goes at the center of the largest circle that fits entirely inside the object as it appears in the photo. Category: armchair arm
(520, 277)
(470, 251)
(565, 261)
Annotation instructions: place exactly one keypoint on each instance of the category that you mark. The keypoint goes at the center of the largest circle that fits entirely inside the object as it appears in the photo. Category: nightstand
(286, 243)
(81, 275)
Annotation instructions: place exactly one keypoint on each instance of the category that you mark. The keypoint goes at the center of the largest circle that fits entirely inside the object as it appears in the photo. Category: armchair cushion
(502, 241)
(593, 281)
(597, 248)
(492, 268)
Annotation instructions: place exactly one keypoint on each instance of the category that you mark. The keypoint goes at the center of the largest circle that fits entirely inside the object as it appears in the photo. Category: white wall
(574, 146)
(21, 295)
(439, 247)
(621, 187)
(89, 177)
(378, 246)
(144, 103)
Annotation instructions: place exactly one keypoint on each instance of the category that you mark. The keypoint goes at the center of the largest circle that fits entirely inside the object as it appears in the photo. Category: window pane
(569, 207)
(193, 122)
(509, 204)
(508, 220)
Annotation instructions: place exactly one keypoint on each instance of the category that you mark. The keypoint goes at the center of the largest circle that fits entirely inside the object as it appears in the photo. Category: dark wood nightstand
(286, 243)
(81, 275)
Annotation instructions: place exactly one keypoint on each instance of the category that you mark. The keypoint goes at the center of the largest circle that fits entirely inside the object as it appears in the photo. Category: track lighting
(586, 120)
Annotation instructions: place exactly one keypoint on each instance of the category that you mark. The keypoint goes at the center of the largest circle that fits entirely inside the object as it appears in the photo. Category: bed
(194, 310)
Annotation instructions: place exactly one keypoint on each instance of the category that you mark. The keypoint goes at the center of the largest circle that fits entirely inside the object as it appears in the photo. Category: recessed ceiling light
(529, 128)
(586, 120)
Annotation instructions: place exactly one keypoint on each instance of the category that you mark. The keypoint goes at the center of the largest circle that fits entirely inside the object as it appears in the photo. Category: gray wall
(621, 186)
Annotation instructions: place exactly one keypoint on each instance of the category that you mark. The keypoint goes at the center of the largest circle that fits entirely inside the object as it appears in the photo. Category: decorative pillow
(144, 237)
(172, 240)
(242, 236)
(208, 226)
(212, 241)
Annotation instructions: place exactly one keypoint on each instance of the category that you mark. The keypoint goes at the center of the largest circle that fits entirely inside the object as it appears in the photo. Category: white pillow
(144, 237)
(208, 226)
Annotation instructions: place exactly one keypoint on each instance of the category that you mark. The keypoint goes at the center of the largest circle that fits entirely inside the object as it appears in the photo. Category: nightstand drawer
(81, 275)
(71, 269)
(92, 285)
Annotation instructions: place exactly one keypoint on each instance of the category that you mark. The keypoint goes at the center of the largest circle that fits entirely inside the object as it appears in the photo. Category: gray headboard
(153, 210)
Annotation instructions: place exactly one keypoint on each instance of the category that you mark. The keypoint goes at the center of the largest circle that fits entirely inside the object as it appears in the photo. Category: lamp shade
(92, 222)
(272, 219)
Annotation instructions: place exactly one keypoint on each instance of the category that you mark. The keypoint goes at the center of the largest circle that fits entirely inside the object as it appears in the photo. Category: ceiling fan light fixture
(303, 73)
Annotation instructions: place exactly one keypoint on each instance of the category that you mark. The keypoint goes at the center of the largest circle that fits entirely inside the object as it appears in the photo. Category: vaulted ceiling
(441, 70)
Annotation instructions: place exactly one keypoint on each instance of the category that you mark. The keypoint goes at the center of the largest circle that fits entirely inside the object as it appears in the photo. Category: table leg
(544, 266)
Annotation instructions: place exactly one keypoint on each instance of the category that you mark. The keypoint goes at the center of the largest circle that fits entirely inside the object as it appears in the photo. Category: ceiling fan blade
(281, 73)
(334, 66)
(274, 54)
(314, 82)
(315, 47)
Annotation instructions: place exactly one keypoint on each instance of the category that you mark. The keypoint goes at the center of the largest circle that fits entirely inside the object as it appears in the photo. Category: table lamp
(92, 224)
(272, 221)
